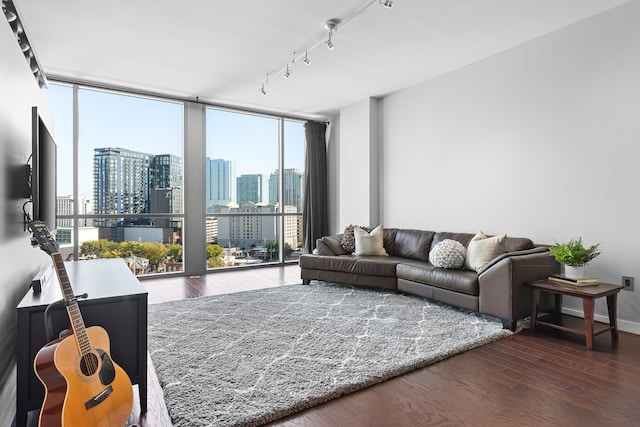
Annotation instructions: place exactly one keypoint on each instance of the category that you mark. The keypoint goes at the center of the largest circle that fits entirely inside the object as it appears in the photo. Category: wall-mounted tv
(43, 171)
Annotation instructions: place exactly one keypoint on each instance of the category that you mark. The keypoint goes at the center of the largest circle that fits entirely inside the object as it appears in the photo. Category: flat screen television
(43, 171)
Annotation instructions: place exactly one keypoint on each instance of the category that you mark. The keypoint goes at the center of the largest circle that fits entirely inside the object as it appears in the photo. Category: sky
(156, 127)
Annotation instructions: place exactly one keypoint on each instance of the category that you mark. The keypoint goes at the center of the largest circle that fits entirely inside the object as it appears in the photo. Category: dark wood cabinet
(116, 301)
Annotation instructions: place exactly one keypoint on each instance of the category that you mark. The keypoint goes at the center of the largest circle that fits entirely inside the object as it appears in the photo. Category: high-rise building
(166, 171)
(220, 182)
(165, 180)
(211, 229)
(251, 188)
(293, 188)
(120, 181)
(247, 231)
(65, 206)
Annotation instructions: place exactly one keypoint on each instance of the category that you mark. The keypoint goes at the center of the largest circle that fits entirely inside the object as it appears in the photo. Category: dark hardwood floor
(545, 379)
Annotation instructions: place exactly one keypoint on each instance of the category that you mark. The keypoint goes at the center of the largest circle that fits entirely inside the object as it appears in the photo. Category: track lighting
(330, 45)
(24, 46)
(11, 14)
(331, 25)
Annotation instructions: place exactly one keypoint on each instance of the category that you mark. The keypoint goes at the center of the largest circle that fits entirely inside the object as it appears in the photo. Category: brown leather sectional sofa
(497, 289)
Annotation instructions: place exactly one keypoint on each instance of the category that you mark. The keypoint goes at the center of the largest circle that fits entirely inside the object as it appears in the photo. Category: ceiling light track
(332, 26)
(13, 17)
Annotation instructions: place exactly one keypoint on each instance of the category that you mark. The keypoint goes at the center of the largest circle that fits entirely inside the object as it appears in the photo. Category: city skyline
(155, 126)
(135, 182)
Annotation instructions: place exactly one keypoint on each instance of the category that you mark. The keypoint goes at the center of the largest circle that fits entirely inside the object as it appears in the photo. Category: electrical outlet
(627, 282)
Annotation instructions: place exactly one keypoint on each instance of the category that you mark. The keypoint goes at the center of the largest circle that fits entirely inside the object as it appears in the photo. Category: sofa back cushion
(463, 238)
(414, 244)
(511, 244)
(389, 240)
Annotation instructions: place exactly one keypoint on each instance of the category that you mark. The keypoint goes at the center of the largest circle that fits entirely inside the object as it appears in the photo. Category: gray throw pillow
(448, 254)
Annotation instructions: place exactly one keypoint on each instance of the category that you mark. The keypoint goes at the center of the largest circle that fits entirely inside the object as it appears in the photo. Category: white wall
(359, 166)
(537, 141)
(20, 262)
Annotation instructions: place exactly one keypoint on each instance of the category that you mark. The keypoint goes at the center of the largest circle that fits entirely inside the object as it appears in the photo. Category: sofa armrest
(502, 282)
(330, 245)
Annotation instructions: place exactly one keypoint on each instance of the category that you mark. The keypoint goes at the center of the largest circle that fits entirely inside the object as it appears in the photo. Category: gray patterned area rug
(252, 357)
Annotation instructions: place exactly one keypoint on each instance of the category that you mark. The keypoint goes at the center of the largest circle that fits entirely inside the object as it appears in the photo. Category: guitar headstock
(42, 236)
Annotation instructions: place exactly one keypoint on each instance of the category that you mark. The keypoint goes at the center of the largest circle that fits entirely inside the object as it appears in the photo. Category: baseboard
(623, 325)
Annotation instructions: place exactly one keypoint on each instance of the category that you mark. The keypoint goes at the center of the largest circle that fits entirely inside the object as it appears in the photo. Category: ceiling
(220, 51)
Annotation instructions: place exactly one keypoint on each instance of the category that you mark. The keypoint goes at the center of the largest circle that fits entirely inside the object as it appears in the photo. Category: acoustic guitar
(83, 386)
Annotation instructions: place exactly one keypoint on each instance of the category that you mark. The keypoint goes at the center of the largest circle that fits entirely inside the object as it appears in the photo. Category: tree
(154, 252)
(174, 253)
(273, 250)
(98, 248)
(214, 256)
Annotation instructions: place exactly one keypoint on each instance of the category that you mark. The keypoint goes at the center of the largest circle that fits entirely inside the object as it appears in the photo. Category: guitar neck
(73, 310)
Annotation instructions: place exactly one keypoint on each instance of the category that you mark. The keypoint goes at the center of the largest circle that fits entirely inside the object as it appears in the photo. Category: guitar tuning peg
(34, 241)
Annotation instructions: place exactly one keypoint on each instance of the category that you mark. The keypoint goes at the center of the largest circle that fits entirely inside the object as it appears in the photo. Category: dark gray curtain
(314, 217)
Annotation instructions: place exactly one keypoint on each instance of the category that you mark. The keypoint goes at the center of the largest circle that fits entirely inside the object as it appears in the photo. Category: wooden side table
(588, 294)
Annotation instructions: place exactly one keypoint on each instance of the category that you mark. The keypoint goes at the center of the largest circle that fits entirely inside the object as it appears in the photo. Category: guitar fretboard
(75, 317)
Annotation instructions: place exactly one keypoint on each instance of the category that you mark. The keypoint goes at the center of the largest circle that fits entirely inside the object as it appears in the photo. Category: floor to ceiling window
(121, 191)
(119, 177)
(254, 182)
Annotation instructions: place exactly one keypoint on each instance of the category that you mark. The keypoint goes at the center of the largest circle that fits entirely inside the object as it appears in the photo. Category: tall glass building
(250, 188)
(293, 188)
(220, 182)
(120, 181)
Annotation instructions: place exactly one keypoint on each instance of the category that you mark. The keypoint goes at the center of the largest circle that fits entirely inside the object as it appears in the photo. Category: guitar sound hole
(89, 364)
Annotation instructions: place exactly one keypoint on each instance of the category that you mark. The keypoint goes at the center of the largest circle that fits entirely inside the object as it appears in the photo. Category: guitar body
(90, 391)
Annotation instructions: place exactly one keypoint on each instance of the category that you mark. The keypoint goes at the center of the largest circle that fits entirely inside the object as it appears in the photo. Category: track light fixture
(329, 44)
(331, 26)
(11, 14)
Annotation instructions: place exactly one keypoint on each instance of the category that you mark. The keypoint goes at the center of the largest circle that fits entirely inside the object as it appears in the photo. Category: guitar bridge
(99, 398)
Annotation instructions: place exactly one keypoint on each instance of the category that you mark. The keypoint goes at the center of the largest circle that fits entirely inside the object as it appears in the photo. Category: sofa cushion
(364, 265)
(482, 250)
(413, 244)
(329, 262)
(369, 243)
(463, 238)
(464, 281)
(348, 239)
(389, 239)
(448, 254)
(375, 266)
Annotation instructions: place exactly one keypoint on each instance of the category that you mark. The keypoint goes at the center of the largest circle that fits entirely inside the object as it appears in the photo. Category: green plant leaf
(574, 253)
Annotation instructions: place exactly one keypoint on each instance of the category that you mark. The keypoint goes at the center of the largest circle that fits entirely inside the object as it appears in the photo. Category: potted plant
(574, 255)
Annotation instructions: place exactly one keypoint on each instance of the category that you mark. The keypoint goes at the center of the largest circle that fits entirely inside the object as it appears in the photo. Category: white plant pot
(574, 272)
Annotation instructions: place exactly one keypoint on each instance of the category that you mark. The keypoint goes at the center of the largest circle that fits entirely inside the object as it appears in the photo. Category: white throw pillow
(482, 250)
(447, 254)
(369, 243)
